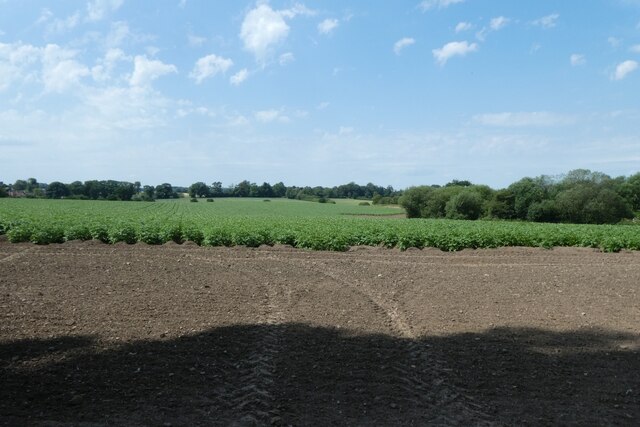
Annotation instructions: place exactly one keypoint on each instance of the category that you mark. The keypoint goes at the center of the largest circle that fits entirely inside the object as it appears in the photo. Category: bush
(266, 200)
(210, 200)
(193, 200)
(465, 205)
(364, 204)
(414, 200)
(544, 211)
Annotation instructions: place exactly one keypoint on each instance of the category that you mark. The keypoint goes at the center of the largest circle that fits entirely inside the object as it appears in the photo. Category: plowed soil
(179, 335)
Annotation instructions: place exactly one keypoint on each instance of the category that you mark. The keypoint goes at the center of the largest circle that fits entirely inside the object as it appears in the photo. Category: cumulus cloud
(327, 26)
(426, 5)
(239, 77)
(209, 66)
(452, 49)
(98, 9)
(264, 28)
(17, 62)
(463, 26)
(104, 68)
(635, 48)
(146, 70)
(548, 21)
(577, 59)
(402, 43)
(624, 69)
(60, 70)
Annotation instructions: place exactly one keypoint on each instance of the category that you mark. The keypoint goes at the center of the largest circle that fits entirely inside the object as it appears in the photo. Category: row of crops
(212, 224)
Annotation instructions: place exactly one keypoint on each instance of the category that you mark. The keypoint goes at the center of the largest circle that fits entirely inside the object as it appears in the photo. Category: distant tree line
(265, 190)
(581, 196)
(89, 190)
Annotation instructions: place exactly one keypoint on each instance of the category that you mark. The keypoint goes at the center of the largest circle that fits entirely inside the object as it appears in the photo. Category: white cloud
(635, 48)
(524, 119)
(297, 9)
(17, 63)
(45, 15)
(59, 70)
(548, 21)
(624, 69)
(463, 26)
(327, 26)
(577, 59)
(261, 30)
(195, 41)
(146, 70)
(402, 43)
(182, 4)
(239, 77)
(452, 49)
(118, 33)
(59, 26)
(98, 9)
(209, 66)
(426, 5)
(496, 24)
(264, 28)
(499, 23)
(103, 70)
(268, 116)
(323, 105)
(286, 58)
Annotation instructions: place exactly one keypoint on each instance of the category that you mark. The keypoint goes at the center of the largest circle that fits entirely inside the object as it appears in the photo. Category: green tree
(464, 205)
(148, 193)
(414, 200)
(502, 205)
(607, 207)
(544, 211)
(198, 189)
(526, 192)
(630, 190)
(165, 191)
(20, 185)
(57, 190)
(243, 189)
(216, 189)
(76, 188)
(279, 189)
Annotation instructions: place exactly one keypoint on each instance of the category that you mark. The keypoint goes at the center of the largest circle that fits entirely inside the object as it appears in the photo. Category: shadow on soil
(301, 375)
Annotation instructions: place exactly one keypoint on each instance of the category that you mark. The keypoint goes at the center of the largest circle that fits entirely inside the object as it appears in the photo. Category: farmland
(207, 314)
(148, 335)
(255, 222)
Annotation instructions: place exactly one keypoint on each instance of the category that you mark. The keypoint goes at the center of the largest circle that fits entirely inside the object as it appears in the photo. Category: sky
(313, 92)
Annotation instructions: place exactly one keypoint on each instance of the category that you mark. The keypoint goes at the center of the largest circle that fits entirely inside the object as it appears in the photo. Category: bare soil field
(179, 335)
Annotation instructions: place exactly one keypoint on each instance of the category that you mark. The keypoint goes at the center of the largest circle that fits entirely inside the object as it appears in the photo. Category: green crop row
(157, 223)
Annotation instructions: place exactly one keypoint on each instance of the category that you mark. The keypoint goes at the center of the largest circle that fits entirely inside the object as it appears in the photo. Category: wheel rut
(419, 375)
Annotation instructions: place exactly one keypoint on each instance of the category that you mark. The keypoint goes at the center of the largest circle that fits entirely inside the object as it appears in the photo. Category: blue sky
(318, 92)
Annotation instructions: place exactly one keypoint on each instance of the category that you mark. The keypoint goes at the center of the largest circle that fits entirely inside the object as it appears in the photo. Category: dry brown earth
(98, 335)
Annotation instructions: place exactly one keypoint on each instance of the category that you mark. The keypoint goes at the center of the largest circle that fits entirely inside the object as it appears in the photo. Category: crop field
(254, 222)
